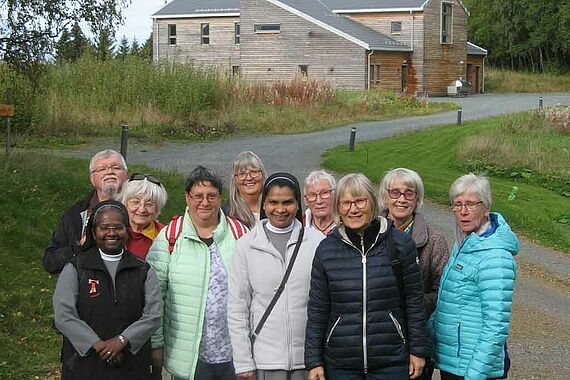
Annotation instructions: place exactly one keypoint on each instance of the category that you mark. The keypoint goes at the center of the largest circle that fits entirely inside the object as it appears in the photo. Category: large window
(205, 34)
(267, 28)
(172, 34)
(374, 73)
(396, 27)
(446, 23)
(236, 33)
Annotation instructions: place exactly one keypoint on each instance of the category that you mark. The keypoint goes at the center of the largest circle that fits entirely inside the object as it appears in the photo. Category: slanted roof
(475, 50)
(353, 6)
(198, 8)
(317, 13)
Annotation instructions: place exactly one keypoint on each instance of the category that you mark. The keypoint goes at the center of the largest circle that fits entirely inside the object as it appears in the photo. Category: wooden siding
(271, 57)
(475, 73)
(444, 63)
(221, 52)
(412, 35)
(391, 71)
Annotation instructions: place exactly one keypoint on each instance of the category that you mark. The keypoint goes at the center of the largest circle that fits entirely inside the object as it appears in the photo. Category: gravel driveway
(540, 338)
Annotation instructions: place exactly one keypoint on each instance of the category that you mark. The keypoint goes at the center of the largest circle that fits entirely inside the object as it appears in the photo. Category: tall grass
(499, 80)
(82, 100)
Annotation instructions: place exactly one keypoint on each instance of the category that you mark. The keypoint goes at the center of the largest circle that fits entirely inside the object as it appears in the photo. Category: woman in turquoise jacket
(472, 319)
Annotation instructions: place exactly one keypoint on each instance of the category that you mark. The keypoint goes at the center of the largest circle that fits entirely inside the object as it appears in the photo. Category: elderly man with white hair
(108, 172)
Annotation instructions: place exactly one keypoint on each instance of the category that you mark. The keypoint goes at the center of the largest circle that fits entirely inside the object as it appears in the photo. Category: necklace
(324, 229)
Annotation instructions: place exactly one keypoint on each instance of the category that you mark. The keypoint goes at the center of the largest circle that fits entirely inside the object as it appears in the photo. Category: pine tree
(104, 45)
(123, 49)
(146, 49)
(135, 48)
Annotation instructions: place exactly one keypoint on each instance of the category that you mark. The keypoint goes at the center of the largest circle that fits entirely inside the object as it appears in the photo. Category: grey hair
(106, 154)
(409, 178)
(144, 189)
(315, 176)
(355, 184)
(238, 208)
(475, 184)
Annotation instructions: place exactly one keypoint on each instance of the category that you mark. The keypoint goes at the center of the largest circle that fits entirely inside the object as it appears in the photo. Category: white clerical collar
(107, 257)
(277, 230)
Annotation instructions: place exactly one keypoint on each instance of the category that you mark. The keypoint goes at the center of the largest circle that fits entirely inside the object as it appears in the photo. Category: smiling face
(355, 211)
(109, 231)
(470, 221)
(249, 181)
(108, 176)
(320, 208)
(400, 208)
(142, 211)
(280, 206)
(204, 201)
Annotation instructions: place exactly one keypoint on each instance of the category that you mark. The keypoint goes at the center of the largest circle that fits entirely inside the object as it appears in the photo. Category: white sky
(137, 20)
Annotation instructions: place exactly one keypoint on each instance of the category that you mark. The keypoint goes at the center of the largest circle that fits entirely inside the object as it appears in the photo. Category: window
(236, 33)
(205, 34)
(172, 34)
(267, 28)
(235, 70)
(304, 70)
(396, 27)
(446, 22)
(374, 73)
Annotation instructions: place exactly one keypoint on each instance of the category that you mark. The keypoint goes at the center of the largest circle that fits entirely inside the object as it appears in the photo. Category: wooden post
(124, 141)
(8, 111)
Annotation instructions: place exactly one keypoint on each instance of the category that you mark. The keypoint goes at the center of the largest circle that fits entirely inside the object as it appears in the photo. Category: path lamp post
(124, 140)
(352, 138)
(540, 102)
(459, 112)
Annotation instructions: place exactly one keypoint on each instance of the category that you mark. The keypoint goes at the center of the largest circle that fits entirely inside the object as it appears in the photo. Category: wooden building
(413, 46)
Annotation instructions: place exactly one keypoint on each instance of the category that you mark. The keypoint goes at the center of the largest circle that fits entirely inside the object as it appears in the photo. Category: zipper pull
(363, 259)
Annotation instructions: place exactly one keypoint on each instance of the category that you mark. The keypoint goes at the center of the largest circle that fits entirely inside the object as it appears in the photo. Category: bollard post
(124, 140)
(352, 138)
(540, 102)
(459, 112)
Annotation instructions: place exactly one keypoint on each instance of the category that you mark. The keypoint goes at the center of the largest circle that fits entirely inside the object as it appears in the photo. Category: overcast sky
(138, 23)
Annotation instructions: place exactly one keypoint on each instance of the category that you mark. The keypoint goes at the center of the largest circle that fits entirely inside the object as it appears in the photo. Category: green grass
(541, 208)
(79, 101)
(36, 190)
(498, 80)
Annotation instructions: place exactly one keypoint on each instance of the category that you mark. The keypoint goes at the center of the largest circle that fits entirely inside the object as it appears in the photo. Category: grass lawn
(498, 80)
(36, 190)
(541, 207)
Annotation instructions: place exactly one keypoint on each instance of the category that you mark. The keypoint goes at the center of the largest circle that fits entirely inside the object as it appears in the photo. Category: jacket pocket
(398, 327)
(458, 337)
(329, 335)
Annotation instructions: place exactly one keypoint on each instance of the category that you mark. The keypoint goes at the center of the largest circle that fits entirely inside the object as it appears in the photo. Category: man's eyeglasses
(142, 176)
(113, 168)
(409, 195)
(325, 194)
(470, 206)
(199, 198)
(254, 174)
(360, 203)
(118, 228)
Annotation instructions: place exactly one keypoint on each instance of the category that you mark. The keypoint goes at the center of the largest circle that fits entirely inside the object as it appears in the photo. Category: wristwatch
(122, 339)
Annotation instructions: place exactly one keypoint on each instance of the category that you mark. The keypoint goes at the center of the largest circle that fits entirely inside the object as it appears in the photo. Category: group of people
(359, 286)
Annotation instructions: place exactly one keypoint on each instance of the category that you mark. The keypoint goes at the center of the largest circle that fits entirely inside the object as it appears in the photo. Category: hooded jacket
(472, 319)
(355, 320)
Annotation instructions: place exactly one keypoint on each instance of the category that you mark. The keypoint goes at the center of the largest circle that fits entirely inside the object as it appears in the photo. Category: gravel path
(540, 339)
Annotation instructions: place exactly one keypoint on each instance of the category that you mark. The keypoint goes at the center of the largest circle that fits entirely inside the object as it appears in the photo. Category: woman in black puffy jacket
(359, 325)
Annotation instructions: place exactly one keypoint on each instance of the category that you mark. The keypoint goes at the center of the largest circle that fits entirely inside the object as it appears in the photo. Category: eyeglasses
(142, 176)
(254, 174)
(360, 203)
(199, 198)
(325, 194)
(113, 168)
(118, 228)
(137, 203)
(409, 195)
(469, 205)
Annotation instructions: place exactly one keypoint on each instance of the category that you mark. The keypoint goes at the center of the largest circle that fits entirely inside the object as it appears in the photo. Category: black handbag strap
(396, 264)
(281, 287)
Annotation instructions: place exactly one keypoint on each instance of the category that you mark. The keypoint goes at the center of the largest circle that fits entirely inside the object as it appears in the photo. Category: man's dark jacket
(65, 239)
(338, 306)
(108, 311)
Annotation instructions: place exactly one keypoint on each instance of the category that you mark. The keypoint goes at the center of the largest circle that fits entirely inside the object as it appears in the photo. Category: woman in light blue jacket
(472, 319)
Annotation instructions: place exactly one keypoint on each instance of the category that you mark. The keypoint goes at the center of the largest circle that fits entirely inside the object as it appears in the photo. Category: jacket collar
(260, 241)
(189, 231)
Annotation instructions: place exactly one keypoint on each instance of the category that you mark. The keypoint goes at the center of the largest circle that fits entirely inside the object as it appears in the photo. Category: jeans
(388, 373)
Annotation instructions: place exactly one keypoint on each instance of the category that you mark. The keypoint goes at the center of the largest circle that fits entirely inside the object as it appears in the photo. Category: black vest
(108, 312)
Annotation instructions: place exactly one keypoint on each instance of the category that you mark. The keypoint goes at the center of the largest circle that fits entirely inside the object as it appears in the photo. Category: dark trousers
(218, 371)
(388, 373)
(427, 373)
(450, 376)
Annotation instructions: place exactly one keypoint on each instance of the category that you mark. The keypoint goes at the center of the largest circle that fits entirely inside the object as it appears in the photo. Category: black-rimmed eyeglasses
(142, 176)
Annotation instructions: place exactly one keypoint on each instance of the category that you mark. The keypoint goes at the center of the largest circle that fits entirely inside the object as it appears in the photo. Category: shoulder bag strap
(281, 287)
(396, 266)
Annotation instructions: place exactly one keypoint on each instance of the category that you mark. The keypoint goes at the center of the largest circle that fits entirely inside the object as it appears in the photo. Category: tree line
(522, 34)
